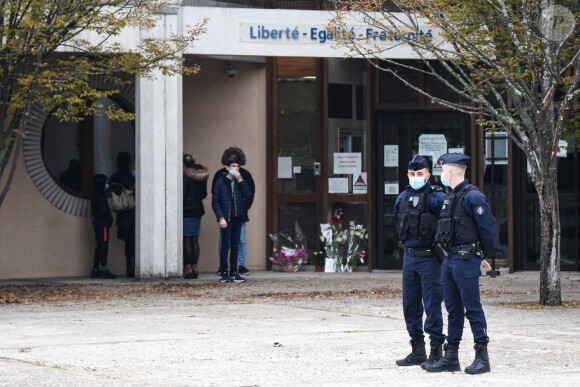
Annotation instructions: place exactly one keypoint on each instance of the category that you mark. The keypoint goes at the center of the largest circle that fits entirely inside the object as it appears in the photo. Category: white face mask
(417, 182)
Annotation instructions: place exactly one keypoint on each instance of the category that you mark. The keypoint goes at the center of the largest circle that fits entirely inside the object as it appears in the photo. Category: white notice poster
(392, 188)
(391, 155)
(338, 185)
(433, 145)
(284, 167)
(347, 163)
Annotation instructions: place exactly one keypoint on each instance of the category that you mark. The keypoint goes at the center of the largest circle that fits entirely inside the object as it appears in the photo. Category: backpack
(123, 202)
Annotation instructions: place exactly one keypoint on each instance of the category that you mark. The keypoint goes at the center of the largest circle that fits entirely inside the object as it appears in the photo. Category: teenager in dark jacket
(102, 221)
(194, 191)
(230, 197)
(123, 178)
(247, 176)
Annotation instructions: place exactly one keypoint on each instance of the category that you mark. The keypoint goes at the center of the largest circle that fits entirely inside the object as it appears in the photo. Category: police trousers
(422, 293)
(460, 279)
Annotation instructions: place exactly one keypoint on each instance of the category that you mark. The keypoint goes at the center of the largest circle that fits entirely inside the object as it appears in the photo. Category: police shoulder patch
(480, 210)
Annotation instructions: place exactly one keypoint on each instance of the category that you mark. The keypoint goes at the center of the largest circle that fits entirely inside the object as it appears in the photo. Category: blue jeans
(230, 241)
(422, 293)
(461, 295)
(242, 251)
(242, 247)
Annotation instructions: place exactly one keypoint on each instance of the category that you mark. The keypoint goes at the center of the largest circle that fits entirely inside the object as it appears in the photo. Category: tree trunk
(550, 287)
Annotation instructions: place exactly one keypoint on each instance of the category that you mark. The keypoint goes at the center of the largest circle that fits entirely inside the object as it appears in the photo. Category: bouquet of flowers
(345, 246)
(357, 237)
(289, 251)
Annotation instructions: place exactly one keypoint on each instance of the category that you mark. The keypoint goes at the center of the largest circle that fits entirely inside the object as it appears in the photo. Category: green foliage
(52, 50)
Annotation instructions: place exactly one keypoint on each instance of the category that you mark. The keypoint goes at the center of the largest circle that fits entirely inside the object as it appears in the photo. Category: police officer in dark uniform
(465, 236)
(416, 214)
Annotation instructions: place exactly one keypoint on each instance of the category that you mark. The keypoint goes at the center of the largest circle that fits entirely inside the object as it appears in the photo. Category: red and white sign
(347, 163)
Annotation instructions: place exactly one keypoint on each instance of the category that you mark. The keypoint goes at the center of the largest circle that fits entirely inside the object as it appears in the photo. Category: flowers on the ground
(319, 257)
(346, 246)
(289, 251)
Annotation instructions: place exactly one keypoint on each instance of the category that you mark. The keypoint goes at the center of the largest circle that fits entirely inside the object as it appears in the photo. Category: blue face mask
(417, 182)
(444, 180)
(232, 172)
(106, 187)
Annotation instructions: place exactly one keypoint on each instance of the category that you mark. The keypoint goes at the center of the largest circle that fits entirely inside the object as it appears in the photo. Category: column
(159, 150)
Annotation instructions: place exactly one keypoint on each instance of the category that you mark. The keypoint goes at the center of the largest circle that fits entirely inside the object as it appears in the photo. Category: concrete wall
(219, 112)
(38, 240)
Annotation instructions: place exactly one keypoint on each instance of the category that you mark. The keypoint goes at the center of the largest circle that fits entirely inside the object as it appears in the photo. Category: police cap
(417, 163)
(455, 158)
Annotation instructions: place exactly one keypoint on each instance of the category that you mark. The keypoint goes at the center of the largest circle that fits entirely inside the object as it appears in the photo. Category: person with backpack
(123, 183)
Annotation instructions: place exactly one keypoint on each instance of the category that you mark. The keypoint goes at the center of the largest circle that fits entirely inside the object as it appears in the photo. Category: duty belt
(464, 250)
(418, 252)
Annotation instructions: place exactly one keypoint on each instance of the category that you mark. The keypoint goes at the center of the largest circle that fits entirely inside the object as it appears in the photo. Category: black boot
(481, 362)
(449, 362)
(435, 355)
(416, 357)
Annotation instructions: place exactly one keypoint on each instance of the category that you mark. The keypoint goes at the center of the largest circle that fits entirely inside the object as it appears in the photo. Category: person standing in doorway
(247, 176)
(102, 222)
(194, 191)
(124, 179)
(465, 236)
(230, 196)
(416, 214)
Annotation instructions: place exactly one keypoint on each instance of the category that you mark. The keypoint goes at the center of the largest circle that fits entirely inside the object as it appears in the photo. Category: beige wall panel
(219, 112)
(37, 240)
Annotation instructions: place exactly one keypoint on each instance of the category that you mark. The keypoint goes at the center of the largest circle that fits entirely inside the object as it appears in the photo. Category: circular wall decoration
(34, 160)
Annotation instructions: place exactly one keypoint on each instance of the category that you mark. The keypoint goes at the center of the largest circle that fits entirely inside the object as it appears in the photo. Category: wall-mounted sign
(347, 163)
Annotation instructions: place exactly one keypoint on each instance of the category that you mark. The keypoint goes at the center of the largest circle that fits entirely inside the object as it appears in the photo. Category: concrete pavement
(278, 329)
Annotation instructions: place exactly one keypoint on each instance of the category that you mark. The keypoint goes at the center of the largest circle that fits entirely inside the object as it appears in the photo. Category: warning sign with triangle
(359, 183)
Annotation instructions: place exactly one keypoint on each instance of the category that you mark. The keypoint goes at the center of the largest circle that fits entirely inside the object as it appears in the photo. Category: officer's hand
(485, 264)
(223, 223)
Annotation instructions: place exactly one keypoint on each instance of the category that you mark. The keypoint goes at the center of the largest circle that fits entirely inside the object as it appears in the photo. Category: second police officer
(465, 236)
(416, 215)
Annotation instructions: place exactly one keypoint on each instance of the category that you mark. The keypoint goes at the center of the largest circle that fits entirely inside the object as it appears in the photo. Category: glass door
(568, 171)
(402, 135)
(297, 161)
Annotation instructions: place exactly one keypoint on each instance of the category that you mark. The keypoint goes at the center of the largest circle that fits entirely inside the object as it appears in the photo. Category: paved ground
(278, 329)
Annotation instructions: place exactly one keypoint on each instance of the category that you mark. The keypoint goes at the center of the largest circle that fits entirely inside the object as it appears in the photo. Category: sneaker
(96, 273)
(224, 278)
(236, 278)
(107, 275)
(243, 270)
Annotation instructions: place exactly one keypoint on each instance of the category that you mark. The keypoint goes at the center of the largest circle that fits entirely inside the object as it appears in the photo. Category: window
(62, 157)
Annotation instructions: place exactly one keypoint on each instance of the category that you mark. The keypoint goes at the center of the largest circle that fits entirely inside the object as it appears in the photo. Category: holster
(440, 252)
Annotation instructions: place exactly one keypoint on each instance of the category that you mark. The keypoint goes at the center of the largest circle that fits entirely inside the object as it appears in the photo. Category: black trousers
(102, 250)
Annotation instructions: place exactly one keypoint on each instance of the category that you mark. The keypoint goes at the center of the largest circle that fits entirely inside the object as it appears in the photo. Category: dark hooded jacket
(102, 216)
(194, 190)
